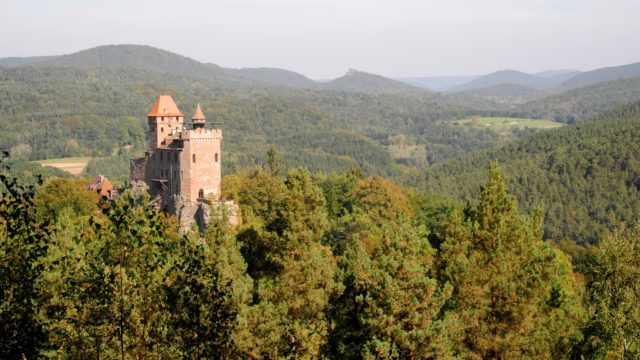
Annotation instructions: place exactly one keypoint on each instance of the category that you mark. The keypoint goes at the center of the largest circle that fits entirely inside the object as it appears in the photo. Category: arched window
(216, 157)
(161, 129)
(193, 157)
(201, 194)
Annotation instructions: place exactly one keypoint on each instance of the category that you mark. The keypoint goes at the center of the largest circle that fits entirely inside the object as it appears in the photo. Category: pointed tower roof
(165, 106)
(198, 115)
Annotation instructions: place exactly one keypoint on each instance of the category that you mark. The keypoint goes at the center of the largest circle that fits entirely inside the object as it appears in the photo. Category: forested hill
(579, 104)
(139, 57)
(142, 57)
(601, 75)
(514, 77)
(272, 76)
(587, 176)
(54, 111)
(360, 81)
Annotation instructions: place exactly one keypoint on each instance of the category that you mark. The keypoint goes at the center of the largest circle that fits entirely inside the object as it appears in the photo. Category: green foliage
(516, 295)
(102, 285)
(614, 291)
(586, 175)
(392, 305)
(57, 194)
(115, 167)
(206, 288)
(274, 161)
(23, 240)
(297, 278)
(332, 266)
(93, 104)
(585, 102)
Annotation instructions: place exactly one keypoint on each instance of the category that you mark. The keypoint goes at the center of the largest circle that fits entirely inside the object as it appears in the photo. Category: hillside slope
(506, 93)
(601, 75)
(437, 83)
(273, 76)
(360, 81)
(587, 176)
(579, 104)
(514, 77)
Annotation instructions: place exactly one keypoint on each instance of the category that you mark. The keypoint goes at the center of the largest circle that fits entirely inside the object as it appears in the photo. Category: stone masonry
(182, 167)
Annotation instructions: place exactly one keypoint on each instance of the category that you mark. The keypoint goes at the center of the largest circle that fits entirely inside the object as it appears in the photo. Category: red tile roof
(198, 114)
(165, 106)
(101, 184)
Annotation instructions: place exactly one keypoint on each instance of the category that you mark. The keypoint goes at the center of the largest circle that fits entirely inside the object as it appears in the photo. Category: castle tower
(164, 119)
(198, 119)
(182, 164)
(201, 159)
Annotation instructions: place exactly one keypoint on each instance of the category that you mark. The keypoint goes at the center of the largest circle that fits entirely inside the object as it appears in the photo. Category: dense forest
(338, 266)
(377, 220)
(585, 175)
(51, 112)
(92, 103)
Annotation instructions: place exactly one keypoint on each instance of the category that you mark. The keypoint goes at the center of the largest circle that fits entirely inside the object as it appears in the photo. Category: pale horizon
(323, 39)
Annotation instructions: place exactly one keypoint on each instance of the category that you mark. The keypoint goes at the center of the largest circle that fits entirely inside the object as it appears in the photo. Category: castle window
(193, 157)
(201, 194)
(161, 129)
(216, 157)
(175, 156)
(161, 156)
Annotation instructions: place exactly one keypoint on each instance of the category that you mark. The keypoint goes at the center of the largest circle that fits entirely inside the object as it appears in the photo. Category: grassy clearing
(501, 123)
(74, 166)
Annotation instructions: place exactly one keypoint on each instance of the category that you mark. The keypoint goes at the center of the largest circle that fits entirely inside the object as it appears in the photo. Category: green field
(72, 165)
(502, 123)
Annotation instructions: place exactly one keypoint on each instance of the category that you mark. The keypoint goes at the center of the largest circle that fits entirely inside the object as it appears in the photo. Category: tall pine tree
(517, 295)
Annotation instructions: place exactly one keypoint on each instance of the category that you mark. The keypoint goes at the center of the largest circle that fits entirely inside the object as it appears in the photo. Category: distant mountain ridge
(437, 83)
(148, 58)
(518, 86)
(549, 73)
(601, 75)
(355, 80)
(515, 77)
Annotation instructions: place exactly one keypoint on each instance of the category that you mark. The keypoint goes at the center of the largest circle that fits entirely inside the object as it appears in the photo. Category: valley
(480, 216)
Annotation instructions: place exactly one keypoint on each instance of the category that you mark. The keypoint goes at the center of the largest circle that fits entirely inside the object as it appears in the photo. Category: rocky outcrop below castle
(201, 212)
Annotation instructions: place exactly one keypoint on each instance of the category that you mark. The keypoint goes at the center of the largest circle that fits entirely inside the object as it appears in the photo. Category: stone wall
(138, 169)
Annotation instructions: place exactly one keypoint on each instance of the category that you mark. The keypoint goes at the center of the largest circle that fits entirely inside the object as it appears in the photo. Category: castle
(181, 169)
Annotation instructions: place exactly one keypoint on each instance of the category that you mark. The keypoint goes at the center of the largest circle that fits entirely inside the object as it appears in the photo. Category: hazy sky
(323, 38)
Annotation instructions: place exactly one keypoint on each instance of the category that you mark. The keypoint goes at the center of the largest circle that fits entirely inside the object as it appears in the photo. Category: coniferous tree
(23, 240)
(274, 161)
(207, 287)
(516, 295)
(392, 305)
(72, 300)
(288, 316)
(614, 292)
(101, 294)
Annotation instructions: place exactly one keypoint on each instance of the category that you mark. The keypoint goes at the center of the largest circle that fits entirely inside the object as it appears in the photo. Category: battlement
(200, 134)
